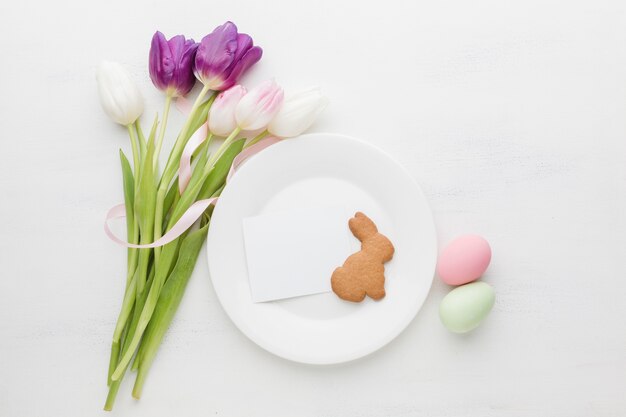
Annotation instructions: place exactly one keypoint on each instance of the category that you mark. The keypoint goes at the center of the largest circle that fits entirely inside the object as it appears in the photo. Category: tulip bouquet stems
(165, 232)
(146, 310)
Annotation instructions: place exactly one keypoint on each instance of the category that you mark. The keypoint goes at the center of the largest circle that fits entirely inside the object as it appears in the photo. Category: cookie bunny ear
(362, 227)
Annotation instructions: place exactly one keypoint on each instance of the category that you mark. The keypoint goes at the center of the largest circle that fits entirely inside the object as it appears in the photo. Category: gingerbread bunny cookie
(363, 273)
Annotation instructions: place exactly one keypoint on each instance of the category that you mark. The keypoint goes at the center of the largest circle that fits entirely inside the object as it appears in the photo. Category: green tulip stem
(168, 302)
(256, 139)
(127, 305)
(134, 253)
(134, 237)
(209, 139)
(134, 143)
(171, 167)
(222, 148)
(159, 143)
(174, 158)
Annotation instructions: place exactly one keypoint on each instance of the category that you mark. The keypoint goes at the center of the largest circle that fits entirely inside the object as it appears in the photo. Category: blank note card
(294, 253)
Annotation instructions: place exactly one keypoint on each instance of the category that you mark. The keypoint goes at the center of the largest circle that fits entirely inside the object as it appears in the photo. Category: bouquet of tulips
(168, 210)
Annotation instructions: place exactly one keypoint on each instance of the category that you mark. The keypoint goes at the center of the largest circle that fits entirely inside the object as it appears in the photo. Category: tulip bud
(171, 64)
(119, 96)
(223, 56)
(257, 108)
(298, 113)
(222, 114)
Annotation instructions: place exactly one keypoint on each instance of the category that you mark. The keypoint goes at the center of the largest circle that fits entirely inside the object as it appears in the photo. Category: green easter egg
(465, 307)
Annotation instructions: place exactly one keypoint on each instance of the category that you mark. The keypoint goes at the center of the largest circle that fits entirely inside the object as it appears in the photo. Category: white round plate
(308, 171)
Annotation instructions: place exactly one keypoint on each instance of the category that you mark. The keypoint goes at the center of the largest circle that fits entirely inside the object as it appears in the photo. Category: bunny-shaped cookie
(363, 273)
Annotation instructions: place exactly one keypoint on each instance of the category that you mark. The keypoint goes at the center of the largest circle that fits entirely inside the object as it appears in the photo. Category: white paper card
(294, 253)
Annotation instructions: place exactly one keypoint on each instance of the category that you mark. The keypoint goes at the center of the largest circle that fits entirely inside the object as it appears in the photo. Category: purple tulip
(171, 64)
(223, 56)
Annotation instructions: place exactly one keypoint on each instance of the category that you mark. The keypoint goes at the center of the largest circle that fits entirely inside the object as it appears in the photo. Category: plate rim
(392, 335)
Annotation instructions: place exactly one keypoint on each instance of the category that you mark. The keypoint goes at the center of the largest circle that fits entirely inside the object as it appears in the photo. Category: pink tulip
(222, 114)
(257, 108)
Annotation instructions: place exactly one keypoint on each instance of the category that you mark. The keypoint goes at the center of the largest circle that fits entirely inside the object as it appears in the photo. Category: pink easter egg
(464, 260)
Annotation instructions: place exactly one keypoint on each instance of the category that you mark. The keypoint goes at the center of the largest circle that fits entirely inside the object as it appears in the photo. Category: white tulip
(298, 113)
(259, 106)
(119, 96)
(222, 114)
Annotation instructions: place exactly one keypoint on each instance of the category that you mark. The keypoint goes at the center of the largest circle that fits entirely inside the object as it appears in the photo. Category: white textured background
(511, 115)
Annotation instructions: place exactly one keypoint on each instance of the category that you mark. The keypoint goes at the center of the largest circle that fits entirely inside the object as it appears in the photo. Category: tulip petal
(184, 79)
(298, 113)
(171, 62)
(119, 95)
(251, 57)
(176, 45)
(257, 108)
(244, 43)
(215, 53)
(160, 58)
(222, 114)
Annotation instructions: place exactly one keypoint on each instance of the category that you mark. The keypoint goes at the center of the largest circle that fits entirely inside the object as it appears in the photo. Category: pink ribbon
(184, 169)
(188, 218)
(194, 211)
(248, 152)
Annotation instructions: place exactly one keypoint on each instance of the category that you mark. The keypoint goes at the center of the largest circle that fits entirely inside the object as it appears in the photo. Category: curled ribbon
(248, 152)
(184, 170)
(188, 218)
(194, 211)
